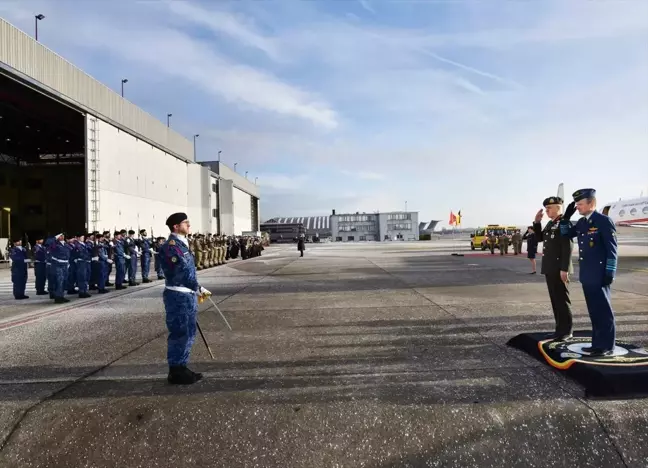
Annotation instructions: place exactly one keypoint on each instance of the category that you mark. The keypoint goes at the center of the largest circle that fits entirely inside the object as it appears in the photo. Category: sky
(368, 105)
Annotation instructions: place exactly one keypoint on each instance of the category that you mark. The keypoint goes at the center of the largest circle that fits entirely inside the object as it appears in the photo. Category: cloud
(219, 21)
(364, 175)
(367, 6)
(282, 182)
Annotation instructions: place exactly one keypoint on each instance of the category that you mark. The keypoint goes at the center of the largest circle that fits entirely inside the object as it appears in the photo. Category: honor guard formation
(68, 265)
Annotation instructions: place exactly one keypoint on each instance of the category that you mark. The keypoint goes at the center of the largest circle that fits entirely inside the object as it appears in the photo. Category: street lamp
(219, 155)
(38, 18)
(169, 119)
(124, 81)
(255, 180)
(195, 136)
(235, 166)
(246, 174)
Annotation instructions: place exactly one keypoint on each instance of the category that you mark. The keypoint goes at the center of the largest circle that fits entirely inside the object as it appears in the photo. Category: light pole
(219, 152)
(38, 18)
(8, 210)
(235, 166)
(195, 136)
(124, 81)
(255, 180)
(169, 119)
(246, 174)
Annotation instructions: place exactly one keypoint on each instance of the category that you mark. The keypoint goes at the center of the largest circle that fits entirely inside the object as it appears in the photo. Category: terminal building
(395, 225)
(76, 156)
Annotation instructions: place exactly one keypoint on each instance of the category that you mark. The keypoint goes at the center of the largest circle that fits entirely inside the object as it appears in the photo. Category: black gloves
(570, 210)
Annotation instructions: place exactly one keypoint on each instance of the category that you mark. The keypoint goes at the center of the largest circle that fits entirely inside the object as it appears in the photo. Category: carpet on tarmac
(622, 374)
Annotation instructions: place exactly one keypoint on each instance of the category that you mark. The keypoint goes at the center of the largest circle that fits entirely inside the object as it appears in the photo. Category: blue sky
(361, 105)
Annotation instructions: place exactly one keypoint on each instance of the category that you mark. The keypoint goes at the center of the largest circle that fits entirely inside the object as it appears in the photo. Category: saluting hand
(564, 276)
(539, 215)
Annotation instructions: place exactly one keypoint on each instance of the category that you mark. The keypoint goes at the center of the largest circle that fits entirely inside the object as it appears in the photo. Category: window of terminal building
(398, 216)
(350, 238)
(400, 226)
(355, 218)
(338, 239)
(363, 238)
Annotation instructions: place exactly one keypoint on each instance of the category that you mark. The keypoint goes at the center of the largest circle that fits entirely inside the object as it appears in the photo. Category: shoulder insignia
(171, 242)
(174, 259)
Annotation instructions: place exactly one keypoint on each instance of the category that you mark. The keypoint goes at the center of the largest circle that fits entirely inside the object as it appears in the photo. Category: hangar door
(242, 211)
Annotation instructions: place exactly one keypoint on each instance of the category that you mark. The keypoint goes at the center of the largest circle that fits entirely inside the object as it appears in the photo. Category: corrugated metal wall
(24, 54)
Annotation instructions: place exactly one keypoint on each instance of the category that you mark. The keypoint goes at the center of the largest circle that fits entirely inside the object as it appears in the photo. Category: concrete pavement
(374, 355)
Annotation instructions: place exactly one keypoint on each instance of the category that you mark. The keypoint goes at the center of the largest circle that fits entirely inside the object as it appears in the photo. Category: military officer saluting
(597, 247)
(556, 265)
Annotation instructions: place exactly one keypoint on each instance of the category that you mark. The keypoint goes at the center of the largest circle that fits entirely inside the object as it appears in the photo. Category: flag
(453, 219)
(458, 218)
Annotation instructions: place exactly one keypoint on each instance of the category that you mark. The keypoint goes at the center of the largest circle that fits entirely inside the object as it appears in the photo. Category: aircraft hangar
(77, 156)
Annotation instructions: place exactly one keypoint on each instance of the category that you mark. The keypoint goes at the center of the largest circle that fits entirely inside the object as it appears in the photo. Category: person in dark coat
(532, 248)
(556, 265)
(301, 245)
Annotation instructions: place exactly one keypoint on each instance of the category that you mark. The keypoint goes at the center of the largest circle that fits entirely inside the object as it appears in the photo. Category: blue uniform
(109, 247)
(72, 270)
(158, 264)
(60, 258)
(19, 263)
(180, 298)
(94, 264)
(131, 264)
(120, 263)
(597, 246)
(49, 270)
(40, 268)
(103, 264)
(145, 245)
(83, 259)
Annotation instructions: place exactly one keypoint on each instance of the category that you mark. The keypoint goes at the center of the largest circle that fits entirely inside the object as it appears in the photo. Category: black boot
(84, 295)
(108, 283)
(180, 375)
(42, 293)
(146, 280)
(133, 283)
(121, 286)
(61, 300)
(102, 291)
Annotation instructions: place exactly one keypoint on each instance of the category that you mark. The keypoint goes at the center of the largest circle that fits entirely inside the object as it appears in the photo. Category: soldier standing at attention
(19, 264)
(83, 259)
(517, 242)
(597, 247)
(532, 248)
(145, 247)
(301, 245)
(503, 243)
(556, 265)
(120, 261)
(60, 258)
(102, 263)
(72, 269)
(40, 266)
(180, 299)
(156, 253)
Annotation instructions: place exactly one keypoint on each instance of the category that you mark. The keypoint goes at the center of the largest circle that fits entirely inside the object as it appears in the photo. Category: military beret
(131, 232)
(116, 233)
(552, 201)
(176, 218)
(141, 231)
(584, 193)
(99, 235)
(17, 239)
(123, 231)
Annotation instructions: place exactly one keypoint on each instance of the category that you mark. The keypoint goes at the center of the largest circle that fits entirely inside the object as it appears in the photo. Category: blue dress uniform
(120, 263)
(20, 260)
(72, 270)
(158, 264)
(60, 258)
(102, 263)
(180, 302)
(597, 245)
(131, 251)
(109, 246)
(82, 268)
(94, 262)
(40, 268)
(145, 260)
(49, 269)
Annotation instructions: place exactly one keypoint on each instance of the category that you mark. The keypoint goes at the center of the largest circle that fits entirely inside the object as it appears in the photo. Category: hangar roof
(310, 222)
(23, 56)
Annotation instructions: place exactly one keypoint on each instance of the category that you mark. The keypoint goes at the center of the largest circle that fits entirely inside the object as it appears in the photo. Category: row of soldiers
(503, 240)
(81, 263)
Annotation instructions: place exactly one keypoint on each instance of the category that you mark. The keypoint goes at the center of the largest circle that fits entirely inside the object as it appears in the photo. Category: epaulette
(171, 242)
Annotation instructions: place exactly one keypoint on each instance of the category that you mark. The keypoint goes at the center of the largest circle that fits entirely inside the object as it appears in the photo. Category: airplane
(632, 213)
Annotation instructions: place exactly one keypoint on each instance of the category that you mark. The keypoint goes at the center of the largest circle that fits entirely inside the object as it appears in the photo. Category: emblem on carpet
(623, 373)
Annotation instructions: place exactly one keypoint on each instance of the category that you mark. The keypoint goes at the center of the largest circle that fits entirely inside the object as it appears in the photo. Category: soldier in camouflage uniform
(198, 253)
(209, 251)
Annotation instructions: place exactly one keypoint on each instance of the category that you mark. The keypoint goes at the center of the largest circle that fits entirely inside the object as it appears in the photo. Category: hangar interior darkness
(42, 162)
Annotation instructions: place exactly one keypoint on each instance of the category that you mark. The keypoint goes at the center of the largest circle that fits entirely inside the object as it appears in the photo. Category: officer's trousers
(40, 272)
(158, 267)
(102, 275)
(19, 279)
(181, 309)
(95, 269)
(601, 314)
(146, 265)
(82, 275)
(560, 303)
(60, 275)
(132, 271)
(71, 277)
(120, 270)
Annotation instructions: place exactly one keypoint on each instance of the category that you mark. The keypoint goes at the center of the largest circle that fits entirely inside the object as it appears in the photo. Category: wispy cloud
(364, 175)
(367, 6)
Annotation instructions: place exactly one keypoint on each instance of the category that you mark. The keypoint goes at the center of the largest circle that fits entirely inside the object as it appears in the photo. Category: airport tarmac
(358, 355)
